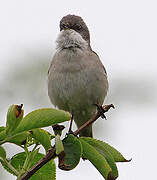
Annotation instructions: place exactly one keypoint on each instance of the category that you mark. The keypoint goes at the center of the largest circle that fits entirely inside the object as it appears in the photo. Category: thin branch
(93, 118)
(50, 155)
(11, 167)
(71, 122)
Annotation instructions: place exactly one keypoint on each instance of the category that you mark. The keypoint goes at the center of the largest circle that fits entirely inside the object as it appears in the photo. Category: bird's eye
(78, 27)
(63, 26)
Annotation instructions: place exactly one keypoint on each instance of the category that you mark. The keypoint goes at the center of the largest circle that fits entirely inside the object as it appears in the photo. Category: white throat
(70, 38)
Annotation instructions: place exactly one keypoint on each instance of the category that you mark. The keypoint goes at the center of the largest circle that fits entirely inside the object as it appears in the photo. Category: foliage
(26, 132)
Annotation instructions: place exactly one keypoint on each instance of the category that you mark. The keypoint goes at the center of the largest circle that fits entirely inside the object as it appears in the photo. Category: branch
(50, 155)
(52, 152)
(94, 118)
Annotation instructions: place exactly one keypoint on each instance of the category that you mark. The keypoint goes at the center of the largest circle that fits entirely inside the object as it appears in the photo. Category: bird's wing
(102, 64)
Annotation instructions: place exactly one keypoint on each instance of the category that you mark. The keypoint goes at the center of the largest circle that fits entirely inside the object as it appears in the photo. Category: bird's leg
(71, 121)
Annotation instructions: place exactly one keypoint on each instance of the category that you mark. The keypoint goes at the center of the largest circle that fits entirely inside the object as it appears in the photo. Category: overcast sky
(124, 34)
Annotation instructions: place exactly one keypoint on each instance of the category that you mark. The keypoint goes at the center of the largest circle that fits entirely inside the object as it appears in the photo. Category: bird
(77, 78)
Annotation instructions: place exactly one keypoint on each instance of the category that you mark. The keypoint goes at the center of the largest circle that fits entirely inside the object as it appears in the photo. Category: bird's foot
(103, 109)
(100, 110)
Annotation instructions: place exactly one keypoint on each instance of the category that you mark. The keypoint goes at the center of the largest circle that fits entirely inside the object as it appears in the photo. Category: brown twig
(52, 152)
(93, 118)
(50, 155)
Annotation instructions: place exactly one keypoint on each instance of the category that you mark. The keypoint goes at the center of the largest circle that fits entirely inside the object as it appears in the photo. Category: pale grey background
(124, 34)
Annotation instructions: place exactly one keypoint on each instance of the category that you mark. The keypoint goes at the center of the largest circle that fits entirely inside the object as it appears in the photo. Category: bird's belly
(73, 91)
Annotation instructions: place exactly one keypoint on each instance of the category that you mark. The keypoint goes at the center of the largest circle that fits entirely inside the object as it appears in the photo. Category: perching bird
(76, 79)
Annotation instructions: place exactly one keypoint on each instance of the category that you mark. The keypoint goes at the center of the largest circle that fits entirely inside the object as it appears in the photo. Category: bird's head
(77, 24)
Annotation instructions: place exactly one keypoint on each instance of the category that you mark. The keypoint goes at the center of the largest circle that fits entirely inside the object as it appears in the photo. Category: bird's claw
(103, 109)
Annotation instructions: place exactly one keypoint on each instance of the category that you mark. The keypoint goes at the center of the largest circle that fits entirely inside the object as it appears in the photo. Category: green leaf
(48, 171)
(2, 152)
(14, 116)
(19, 139)
(105, 153)
(42, 137)
(97, 160)
(118, 157)
(3, 135)
(58, 145)
(2, 128)
(73, 151)
(42, 118)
